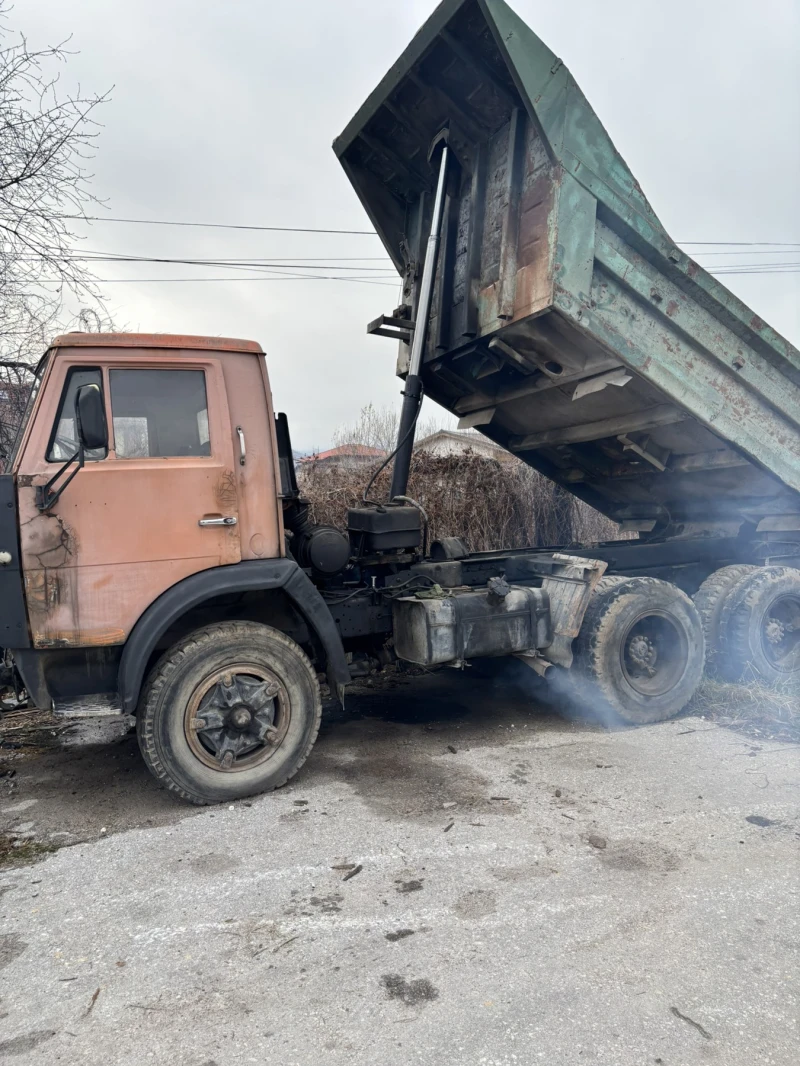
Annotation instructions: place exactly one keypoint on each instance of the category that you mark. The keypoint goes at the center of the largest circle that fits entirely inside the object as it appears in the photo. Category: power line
(237, 264)
(748, 244)
(359, 232)
(363, 281)
(222, 225)
(288, 277)
(793, 250)
(321, 263)
(122, 256)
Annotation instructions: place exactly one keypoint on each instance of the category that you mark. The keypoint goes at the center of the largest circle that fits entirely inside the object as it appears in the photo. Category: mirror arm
(46, 496)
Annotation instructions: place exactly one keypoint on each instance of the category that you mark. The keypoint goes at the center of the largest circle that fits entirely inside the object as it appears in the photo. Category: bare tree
(47, 136)
(376, 427)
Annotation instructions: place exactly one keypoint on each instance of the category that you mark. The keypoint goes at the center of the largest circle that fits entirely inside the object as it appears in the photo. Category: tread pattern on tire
(159, 676)
(709, 600)
(587, 670)
(736, 650)
(607, 590)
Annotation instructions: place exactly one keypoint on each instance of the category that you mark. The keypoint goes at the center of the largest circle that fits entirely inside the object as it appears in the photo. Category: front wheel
(230, 711)
(640, 653)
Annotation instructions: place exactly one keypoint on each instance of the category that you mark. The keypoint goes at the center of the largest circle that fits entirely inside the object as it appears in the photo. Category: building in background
(345, 457)
(461, 442)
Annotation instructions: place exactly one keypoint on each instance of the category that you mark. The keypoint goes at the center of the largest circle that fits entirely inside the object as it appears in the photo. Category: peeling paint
(49, 540)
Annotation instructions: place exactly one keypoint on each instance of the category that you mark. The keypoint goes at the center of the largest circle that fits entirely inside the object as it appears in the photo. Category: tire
(215, 678)
(710, 600)
(640, 653)
(760, 627)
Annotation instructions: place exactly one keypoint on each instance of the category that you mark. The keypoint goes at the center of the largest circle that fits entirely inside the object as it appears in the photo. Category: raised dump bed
(567, 326)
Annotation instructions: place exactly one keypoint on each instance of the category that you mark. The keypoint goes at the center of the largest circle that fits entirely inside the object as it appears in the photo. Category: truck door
(159, 505)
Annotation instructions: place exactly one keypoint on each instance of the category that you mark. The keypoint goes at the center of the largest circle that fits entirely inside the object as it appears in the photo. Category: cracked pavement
(457, 876)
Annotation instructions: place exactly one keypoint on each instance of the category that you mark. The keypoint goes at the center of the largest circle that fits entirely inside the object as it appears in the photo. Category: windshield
(12, 422)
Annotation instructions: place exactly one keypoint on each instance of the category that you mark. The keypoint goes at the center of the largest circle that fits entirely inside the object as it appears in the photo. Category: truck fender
(257, 575)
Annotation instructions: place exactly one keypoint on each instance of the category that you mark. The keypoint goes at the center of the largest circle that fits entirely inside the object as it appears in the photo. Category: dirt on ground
(64, 783)
(68, 782)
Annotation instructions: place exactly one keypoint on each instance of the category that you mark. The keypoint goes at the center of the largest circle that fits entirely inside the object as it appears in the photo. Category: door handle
(227, 520)
(242, 448)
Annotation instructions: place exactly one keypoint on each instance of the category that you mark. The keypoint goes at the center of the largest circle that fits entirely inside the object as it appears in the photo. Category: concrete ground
(458, 876)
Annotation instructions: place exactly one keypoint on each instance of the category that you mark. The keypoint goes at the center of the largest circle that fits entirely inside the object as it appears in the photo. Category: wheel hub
(780, 634)
(234, 720)
(240, 718)
(642, 652)
(775, 631)
(653, 653)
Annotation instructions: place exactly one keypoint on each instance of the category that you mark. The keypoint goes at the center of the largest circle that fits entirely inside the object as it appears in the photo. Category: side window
(64, 439)
(159, 413)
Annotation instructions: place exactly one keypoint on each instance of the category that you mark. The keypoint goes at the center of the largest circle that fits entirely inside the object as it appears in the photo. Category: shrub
(491, 504)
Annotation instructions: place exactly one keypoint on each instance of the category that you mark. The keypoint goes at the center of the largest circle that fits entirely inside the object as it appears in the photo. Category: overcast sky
(226, 112)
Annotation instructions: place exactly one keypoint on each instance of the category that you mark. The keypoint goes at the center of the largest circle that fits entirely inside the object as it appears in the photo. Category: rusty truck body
(157, 558)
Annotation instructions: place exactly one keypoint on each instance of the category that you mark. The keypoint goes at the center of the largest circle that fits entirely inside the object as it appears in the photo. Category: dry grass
(764, 711)
(17, 851)
(490, 504)
(26, 733)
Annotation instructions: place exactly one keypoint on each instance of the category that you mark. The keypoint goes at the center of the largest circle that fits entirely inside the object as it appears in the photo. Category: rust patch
(692, 268)
(225, 492)
(756, 323)
(48, 539)
(41, 592)
(535, 209)
(78, 639)
(50, 551)
(672, 307)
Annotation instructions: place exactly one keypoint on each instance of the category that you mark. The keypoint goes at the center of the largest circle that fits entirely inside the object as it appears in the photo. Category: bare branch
(47, 136)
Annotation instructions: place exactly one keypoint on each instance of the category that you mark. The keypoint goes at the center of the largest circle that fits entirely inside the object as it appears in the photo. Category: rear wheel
(640, 653)
(232, 710)
(710, 599)
(760, 627)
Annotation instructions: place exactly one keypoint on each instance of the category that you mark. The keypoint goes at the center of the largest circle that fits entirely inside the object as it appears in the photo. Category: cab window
(159, 413)
(64, 439)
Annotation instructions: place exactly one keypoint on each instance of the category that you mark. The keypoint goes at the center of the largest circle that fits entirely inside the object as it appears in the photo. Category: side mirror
(90, 418)
(92, 434)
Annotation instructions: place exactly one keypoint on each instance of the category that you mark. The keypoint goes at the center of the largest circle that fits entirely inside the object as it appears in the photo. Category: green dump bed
(566, 324)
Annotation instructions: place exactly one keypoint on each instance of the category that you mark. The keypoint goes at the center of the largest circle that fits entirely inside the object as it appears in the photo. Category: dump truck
(157, 558)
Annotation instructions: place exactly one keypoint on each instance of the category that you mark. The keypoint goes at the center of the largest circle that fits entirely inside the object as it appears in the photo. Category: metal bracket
(46, 495)
(386, 326)
(657, 457)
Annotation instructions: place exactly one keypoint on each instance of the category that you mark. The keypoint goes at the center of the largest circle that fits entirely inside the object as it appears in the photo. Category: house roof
(346, 451)
(463, 436)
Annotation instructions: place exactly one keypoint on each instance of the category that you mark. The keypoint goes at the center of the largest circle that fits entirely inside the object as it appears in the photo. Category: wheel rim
(654, 653)
(780, 633)
(237, 718)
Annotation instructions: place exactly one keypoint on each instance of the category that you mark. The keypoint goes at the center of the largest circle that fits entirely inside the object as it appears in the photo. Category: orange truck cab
(176, 512)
